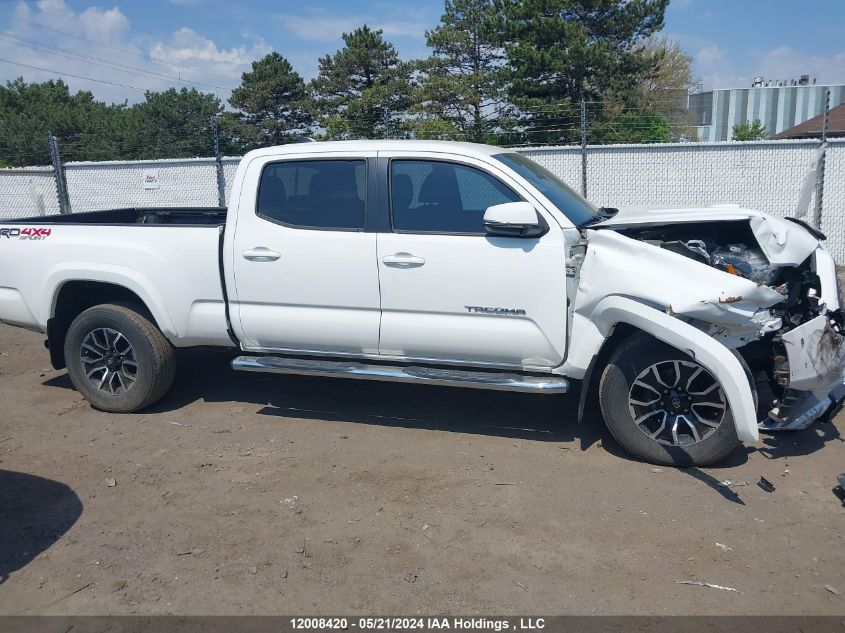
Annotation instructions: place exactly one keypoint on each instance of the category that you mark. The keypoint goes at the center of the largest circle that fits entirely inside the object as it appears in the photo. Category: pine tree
(562, 51)
(362, 90)
(461, 84)
(272, 104)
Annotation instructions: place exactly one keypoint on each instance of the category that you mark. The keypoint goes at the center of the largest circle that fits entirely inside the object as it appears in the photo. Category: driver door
(449, 292)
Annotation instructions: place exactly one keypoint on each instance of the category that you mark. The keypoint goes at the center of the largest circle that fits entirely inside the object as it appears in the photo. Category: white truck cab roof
(447, 147)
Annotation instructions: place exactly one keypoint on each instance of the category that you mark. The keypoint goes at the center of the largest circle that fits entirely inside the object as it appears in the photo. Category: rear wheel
(664, 407)
(118, 359)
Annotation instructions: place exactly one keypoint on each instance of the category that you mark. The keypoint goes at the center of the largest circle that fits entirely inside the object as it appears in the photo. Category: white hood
(783, 242)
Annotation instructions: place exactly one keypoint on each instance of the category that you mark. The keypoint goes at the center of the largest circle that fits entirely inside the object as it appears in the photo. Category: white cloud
(710, 55)
(104, 26)
(188, 46)
(719, 68)
(787, 63)
(120, 56)
(107, 25)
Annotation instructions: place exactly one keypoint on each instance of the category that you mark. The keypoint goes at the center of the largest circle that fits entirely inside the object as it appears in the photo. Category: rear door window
(314, 194)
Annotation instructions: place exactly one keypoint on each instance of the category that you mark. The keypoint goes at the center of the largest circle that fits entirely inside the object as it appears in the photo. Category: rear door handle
(403, 260)
(261, 254)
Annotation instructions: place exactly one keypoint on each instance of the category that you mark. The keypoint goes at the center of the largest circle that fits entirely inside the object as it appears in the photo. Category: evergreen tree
(272, 104)
(462, 82)
(30, 111)
(362, 90)
(562, 51)
(171, 124)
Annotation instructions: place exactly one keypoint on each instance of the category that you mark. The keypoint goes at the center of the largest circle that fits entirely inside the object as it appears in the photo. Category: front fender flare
(714, 356)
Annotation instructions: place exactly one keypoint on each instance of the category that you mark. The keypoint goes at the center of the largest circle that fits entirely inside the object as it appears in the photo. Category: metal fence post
(386, 117)
(817, 215)
(218, 161)
(59, 175)
(583, 147)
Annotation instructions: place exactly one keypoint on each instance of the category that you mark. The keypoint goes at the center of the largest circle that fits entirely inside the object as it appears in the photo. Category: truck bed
(176, 216)
(168, 257)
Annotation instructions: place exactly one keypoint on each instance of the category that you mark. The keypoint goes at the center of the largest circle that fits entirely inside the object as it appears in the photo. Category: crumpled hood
(783, 242)
(618, 265)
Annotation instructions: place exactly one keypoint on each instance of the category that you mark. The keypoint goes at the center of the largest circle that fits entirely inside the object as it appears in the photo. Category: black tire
(152, 354)
(632, 357)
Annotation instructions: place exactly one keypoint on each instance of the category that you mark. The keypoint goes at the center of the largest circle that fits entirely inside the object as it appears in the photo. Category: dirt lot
(242, 493)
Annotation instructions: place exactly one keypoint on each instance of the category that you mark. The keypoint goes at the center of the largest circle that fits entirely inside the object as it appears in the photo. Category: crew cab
(449, 264)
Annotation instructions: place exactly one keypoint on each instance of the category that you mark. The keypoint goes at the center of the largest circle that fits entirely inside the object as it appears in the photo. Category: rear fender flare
(105, 273)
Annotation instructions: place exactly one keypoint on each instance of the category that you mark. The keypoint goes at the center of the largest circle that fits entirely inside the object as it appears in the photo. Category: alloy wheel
(677, 402)
(109, 361)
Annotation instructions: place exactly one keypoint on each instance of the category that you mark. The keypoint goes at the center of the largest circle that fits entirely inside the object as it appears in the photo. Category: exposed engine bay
(798, 334)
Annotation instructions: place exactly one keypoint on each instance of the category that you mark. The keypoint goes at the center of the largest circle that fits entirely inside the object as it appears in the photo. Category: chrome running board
(497, 381)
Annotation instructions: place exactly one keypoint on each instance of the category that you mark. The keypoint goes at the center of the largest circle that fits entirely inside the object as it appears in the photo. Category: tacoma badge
(505, 311)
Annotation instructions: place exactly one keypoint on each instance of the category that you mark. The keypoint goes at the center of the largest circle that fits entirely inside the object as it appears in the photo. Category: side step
(496, 381)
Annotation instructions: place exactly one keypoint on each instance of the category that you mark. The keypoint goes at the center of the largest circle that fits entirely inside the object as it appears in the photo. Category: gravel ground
(251, 494)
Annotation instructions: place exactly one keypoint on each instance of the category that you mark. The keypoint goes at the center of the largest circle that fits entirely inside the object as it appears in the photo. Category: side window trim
(312, 159)
(426, 159)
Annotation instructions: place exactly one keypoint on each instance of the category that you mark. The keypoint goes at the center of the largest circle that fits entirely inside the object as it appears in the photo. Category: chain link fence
(27, 191)
(161, 183)
(765, 175)
(833, 201)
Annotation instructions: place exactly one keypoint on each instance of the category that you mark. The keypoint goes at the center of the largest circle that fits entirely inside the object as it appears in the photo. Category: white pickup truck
(449, 264)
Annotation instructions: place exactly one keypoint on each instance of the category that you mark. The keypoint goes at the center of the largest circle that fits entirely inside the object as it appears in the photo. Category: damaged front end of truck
(763, 287)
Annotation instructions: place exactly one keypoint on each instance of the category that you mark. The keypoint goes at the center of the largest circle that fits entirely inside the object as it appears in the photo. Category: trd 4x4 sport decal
(29, 233)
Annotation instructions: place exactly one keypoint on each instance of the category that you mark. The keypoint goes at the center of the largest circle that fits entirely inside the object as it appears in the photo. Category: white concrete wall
(763, 175)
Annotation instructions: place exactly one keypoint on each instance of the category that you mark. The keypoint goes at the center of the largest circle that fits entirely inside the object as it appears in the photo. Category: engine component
(746, 262)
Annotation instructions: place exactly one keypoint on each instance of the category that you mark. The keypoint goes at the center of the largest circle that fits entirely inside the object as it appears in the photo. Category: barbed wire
(101, 139)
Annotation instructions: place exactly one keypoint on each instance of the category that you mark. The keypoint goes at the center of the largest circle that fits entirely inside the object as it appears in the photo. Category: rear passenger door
(305, 279)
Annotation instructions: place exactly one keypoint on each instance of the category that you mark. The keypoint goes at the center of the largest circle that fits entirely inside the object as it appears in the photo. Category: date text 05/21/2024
(419, 623)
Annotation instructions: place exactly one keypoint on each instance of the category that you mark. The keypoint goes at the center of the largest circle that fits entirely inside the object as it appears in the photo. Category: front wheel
(665, 408)
(118, 359)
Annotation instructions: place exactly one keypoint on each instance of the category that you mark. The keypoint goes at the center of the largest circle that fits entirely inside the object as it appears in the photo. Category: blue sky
(129, 46)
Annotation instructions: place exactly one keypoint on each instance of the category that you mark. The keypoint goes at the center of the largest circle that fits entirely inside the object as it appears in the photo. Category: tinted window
(327, 194)
(571, 204)
(438, 197)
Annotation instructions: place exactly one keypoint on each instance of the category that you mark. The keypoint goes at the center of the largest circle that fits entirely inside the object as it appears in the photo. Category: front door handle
(403, 260)
(261, 254)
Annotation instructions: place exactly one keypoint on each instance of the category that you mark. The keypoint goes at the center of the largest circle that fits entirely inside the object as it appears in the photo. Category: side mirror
(514, 219)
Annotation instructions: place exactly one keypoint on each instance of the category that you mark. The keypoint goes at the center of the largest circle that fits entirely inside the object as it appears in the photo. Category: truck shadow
(522, 416)
(206, 375)
(793, 443)
(34, 513)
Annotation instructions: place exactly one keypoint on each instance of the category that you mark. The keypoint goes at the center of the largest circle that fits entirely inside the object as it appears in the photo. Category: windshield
(570, 203)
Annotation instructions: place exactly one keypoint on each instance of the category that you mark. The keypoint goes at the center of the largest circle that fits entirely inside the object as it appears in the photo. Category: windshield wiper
(603, 213)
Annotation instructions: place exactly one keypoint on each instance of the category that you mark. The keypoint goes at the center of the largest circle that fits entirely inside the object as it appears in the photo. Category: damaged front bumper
(805, 411)
(816, 354)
